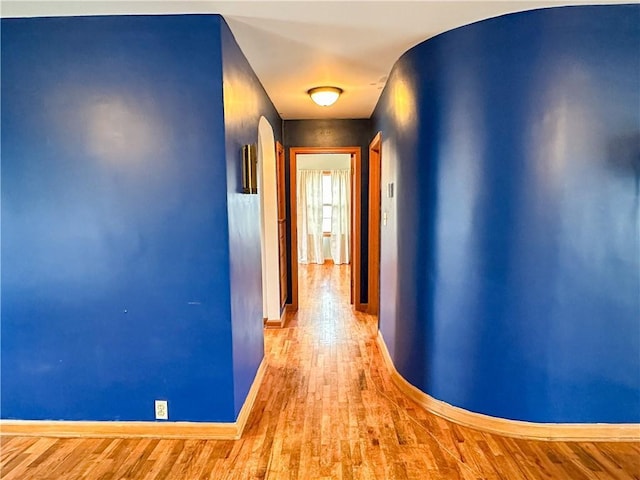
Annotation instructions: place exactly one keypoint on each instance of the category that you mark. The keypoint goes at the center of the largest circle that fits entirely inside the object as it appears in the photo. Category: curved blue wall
(510, 271)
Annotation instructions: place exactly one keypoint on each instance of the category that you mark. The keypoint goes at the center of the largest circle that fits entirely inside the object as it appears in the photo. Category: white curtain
(340, 216)
(309, 199)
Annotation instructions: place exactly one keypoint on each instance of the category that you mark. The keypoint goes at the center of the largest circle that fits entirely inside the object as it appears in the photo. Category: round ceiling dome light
(325, 96)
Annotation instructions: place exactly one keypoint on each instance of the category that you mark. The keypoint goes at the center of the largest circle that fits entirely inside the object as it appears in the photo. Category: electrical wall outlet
(162, 410)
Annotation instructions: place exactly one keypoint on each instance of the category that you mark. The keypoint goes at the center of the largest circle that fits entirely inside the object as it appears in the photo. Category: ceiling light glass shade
(325, 96)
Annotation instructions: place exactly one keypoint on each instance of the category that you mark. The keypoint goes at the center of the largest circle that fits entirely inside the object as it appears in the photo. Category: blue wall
(116, 261)
(245, 101)
(510, 275)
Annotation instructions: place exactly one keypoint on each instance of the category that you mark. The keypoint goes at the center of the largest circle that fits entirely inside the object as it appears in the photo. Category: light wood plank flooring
(327, 410)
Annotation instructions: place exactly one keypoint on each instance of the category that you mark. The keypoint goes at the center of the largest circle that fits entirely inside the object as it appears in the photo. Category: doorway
(354, 155)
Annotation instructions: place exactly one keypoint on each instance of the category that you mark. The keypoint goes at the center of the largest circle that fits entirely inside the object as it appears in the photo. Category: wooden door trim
(280, 163)
(356, 197)
(282, 226)
(373, 290)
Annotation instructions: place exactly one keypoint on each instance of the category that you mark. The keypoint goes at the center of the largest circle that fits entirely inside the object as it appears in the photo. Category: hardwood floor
(327, 410)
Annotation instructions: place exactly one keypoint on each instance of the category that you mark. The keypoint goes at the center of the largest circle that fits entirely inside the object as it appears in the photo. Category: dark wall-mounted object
(249, 169)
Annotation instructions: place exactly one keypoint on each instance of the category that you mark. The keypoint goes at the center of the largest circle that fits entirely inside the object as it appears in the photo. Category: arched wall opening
(267, 190)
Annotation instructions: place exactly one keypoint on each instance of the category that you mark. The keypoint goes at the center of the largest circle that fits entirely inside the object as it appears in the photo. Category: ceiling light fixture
(325, 96)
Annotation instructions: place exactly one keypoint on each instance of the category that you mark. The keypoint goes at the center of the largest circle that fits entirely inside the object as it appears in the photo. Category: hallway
(327, 410)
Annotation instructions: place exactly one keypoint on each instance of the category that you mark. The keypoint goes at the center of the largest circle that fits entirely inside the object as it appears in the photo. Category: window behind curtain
(327, 202)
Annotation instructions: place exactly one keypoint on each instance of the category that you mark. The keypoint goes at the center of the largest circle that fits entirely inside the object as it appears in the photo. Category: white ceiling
(296, 45)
